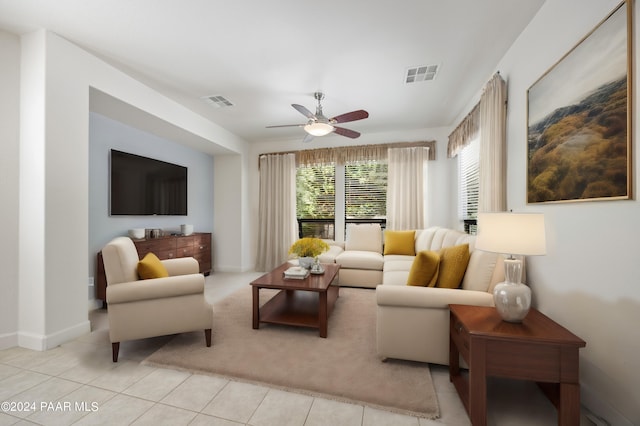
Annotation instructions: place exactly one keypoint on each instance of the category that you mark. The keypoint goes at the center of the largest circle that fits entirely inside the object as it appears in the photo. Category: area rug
(342, 367)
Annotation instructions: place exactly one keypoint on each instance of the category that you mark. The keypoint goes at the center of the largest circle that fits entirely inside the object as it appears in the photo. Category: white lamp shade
(511, 233)
(318, 129)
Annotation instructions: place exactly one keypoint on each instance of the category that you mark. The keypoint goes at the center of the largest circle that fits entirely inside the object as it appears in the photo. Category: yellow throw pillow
(151, 267)
(424, 270)
(400, 242)
(453, 265)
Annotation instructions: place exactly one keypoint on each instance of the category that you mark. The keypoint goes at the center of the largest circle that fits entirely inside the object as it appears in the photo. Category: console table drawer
(185, 242)
(164, 248)
(187, 251)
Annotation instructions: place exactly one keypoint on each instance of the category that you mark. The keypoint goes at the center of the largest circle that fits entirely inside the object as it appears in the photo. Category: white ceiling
(265, 55)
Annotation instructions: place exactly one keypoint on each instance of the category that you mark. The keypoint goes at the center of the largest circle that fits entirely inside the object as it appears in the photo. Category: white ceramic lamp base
(512, 298)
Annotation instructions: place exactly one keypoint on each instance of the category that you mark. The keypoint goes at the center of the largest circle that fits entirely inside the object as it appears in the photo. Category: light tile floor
(76, 383)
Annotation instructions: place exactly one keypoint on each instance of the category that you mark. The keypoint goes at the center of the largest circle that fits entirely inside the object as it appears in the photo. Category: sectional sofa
(413, 321)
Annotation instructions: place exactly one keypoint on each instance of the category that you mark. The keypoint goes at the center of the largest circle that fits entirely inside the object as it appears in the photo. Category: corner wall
(55, 81)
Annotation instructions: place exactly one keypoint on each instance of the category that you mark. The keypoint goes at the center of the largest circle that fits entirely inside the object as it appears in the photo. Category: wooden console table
(538, 349)
(196, 245)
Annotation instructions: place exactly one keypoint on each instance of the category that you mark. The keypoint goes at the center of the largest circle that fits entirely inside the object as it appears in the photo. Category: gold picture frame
(579, 119)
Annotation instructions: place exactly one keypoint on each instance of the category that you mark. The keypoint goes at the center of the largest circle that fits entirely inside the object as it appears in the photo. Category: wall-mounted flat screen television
(145, 186)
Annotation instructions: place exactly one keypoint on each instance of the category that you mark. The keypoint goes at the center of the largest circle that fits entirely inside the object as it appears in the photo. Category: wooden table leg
(256, 307)
(323, 314)
(477, 383)
(569, 404)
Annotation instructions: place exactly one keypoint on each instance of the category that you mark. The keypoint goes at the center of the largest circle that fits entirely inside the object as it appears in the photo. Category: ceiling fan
(319, 125)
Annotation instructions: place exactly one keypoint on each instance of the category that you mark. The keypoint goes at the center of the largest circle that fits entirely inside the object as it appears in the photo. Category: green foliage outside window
(315, 192)
(366, 190)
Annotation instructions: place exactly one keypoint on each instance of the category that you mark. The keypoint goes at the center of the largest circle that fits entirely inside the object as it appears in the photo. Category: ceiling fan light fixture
(318, 129)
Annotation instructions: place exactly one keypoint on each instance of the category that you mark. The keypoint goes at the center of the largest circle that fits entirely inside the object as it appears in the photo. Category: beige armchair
(139, 309)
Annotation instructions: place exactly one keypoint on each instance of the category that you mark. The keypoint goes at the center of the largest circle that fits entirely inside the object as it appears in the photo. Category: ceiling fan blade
(307, 138)
(346, 132)
(302, 110)
(286, 125)
(350, 116)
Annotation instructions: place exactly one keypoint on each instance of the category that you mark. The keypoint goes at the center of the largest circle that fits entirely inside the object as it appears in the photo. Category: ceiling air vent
(421, 73)
(218, 101)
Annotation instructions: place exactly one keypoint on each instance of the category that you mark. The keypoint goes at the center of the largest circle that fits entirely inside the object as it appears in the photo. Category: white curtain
(493, 159)
(406, 188)
(277, 228)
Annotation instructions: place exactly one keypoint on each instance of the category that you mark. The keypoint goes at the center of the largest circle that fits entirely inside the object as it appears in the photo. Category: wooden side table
(537, 349)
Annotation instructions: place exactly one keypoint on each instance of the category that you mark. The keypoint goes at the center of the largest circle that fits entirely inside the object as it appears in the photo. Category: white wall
(588, 281)
(439, 203)
(106, 134)
(9, 172)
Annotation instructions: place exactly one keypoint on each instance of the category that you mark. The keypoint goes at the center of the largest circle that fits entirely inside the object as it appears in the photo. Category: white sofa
(413, 322)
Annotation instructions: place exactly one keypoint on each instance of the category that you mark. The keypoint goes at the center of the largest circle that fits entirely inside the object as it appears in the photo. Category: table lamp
(512, 234)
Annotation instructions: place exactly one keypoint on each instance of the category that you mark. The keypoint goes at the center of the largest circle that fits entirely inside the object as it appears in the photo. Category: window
(365, 190)
(315, 200)
(361, 197)
(468, 185)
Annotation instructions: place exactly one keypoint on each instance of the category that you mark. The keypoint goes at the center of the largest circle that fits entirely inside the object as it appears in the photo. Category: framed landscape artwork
(579, 119)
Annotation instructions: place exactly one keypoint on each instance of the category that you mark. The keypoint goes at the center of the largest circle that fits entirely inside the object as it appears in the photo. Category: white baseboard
(31, 341)
(68, 334)
(8, 340)
(599, 411)
(39, 342)
(95, 304)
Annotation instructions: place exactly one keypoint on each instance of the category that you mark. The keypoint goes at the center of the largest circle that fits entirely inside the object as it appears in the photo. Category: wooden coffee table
(302, 303)
(538, 349)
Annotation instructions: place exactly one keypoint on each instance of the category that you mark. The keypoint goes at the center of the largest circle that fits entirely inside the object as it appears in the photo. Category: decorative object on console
(137, 233)
(308, 248)
(186, 229)
(512, 234)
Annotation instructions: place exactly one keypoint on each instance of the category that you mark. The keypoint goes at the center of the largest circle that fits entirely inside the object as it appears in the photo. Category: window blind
(315, 192)
(366, 190)
(468, 180)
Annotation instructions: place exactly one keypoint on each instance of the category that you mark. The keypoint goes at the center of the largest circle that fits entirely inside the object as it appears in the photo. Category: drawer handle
(459, 328)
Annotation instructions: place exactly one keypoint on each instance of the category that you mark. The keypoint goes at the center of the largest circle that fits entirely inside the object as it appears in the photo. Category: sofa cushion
(424, 238)
(424, 270)
(484, 269)
(330, 255)
(453, 264)
(359, 259)
(151, 267)
(364, 237)
(400, 242)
